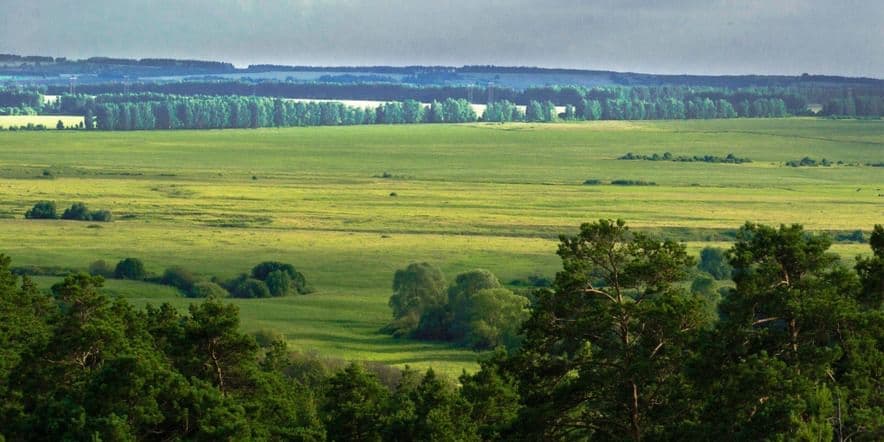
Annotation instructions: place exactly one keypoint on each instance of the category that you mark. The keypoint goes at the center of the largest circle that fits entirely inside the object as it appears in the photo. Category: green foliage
(417, 288)
(130, 268)
(244, 286)
(729, 159)
(603, 350)
(42, 210)
(354, 406)
(466, 286)
(714, 262)
(101, 268)
(281, 278)
(179, 277)
(79, 212)
(793, 340)
(207, 289)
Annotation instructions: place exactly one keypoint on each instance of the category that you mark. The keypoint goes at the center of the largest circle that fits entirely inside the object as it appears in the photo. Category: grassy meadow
(349, 205)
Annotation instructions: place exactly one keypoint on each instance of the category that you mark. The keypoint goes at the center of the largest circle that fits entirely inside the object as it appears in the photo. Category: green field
(467, 196)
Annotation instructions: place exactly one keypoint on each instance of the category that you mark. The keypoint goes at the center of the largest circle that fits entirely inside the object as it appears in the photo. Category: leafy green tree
(42, 210)
(460, 295)
(416, 289)
(130, 268)
(534, 112)
(603, 352)
(495, 317)
(279, 283)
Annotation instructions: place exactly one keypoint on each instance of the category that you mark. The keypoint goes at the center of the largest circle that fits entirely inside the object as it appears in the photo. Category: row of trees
(795, 99)
(855, 106)
(616, 349)
(174, 112)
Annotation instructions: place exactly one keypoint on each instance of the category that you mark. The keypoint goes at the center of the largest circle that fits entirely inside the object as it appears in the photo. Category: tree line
(155, 111)
(615, 349)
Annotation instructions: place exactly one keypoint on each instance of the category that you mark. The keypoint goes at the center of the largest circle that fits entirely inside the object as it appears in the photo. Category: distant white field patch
(49, 99)
(50, 121)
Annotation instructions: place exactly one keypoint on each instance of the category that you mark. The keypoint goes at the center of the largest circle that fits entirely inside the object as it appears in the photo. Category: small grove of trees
(268, 279)
(474, 311)
(77, 212)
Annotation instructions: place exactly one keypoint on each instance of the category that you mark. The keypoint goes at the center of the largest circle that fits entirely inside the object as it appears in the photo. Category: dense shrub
(130, 268)
(207, 289)
(42, 210)
(855, 236)
(729, 159)
(633, 183)
(244, 286)
(104, 216)
(592, 182)
(282, 278)
(80, 212)
(179, 277)
(101, 268)
(809, 162)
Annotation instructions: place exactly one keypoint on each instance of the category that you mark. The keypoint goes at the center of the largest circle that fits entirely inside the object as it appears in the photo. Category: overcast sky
(843, 37)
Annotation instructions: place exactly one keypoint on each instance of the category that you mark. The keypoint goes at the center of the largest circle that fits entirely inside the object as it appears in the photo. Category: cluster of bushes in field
(810, 162)
(667, 156)
(77, 212)
(475, 311)
(618, 182)
(265, 280)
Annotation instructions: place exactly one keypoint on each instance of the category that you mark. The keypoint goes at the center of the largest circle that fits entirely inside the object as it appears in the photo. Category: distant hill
(43, 70)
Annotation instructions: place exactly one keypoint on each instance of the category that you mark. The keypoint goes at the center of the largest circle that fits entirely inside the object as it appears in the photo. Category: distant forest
(227, 105)
(113, 100)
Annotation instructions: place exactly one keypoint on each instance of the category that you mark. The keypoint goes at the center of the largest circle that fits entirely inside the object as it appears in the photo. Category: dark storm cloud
(695, 36)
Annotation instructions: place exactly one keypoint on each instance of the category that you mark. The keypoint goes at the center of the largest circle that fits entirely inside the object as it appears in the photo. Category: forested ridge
(615, 349)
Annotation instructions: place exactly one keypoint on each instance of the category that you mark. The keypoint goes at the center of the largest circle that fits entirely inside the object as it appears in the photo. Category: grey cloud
(667, 36)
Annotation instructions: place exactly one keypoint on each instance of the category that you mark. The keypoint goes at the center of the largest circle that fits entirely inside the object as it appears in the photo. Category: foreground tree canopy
(616, 349)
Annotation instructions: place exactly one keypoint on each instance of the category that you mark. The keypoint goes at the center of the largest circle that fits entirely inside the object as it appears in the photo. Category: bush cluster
(729, 159)
(268, 279)
(810, 162)
(77, 212)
